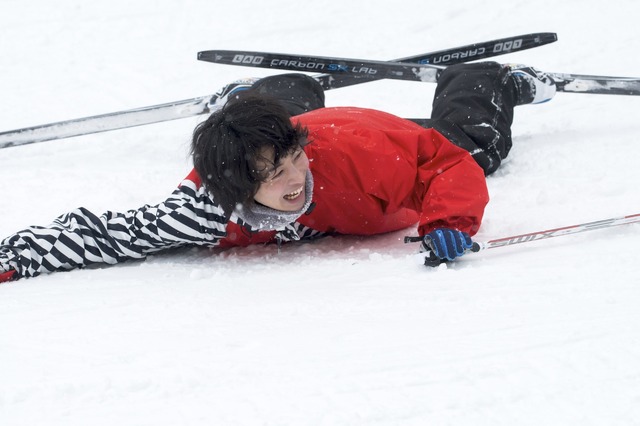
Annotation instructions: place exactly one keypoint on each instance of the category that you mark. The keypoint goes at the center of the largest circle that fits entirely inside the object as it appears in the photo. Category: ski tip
(545, 38)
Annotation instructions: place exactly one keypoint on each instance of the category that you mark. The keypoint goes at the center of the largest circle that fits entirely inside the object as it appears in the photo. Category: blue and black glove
(444, 244)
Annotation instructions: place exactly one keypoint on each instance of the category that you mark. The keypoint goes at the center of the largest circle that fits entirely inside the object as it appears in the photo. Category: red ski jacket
(375, 172)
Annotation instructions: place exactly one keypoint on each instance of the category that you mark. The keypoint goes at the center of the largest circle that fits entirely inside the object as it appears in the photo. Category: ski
(106, 122)
(354, 68)
(205, 104)
(596, 84)
(364, 69)
(452, 56)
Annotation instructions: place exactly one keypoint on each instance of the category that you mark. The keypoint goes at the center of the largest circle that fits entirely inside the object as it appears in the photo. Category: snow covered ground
(344, 331)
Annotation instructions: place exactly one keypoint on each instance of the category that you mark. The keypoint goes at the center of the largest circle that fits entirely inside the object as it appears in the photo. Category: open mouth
(295, 194)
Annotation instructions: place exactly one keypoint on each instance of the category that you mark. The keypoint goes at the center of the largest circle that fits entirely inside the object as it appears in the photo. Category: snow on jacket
(373, 173)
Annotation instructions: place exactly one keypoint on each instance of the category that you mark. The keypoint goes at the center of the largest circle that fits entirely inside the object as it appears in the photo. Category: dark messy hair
(227, 147)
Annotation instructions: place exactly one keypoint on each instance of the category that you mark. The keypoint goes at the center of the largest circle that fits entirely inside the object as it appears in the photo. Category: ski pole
(557, 232)
(549, 233)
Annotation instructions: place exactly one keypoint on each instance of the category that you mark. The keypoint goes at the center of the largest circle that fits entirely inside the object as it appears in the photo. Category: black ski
(355, 68)
(205, 104)
(470, 52)
(366, 69)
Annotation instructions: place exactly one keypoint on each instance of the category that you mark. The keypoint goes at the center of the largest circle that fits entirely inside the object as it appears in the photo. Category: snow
(344, 331)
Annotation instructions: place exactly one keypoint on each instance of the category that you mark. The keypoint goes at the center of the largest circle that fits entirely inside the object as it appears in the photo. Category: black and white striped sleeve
(188, 217)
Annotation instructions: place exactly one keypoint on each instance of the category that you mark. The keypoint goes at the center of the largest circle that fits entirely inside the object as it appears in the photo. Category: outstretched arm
(188, 217)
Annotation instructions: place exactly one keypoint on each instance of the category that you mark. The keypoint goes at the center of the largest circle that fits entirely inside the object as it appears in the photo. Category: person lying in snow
(274, 164)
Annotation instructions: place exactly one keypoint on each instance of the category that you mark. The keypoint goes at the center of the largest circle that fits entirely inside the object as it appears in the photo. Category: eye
(297, 154)
(276, 174)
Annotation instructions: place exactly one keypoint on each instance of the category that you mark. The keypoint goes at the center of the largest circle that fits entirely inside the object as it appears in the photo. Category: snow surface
(344, 331)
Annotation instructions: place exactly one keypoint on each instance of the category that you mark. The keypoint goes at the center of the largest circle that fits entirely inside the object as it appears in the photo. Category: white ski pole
(557, 232)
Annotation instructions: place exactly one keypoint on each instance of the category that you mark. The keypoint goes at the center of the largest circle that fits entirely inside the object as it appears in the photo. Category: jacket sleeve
(451, 186)
(188, 217)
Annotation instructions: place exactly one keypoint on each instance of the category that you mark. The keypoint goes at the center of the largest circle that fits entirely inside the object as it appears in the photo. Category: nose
(298, 172)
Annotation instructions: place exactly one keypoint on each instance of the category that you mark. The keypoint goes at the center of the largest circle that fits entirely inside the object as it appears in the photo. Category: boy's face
(284, 187)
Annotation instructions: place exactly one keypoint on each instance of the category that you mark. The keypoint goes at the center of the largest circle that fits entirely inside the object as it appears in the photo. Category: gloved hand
(444, 244)
(6, 273)
(6, 276)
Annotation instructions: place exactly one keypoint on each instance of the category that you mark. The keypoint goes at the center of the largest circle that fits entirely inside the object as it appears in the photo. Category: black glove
(444, 244)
